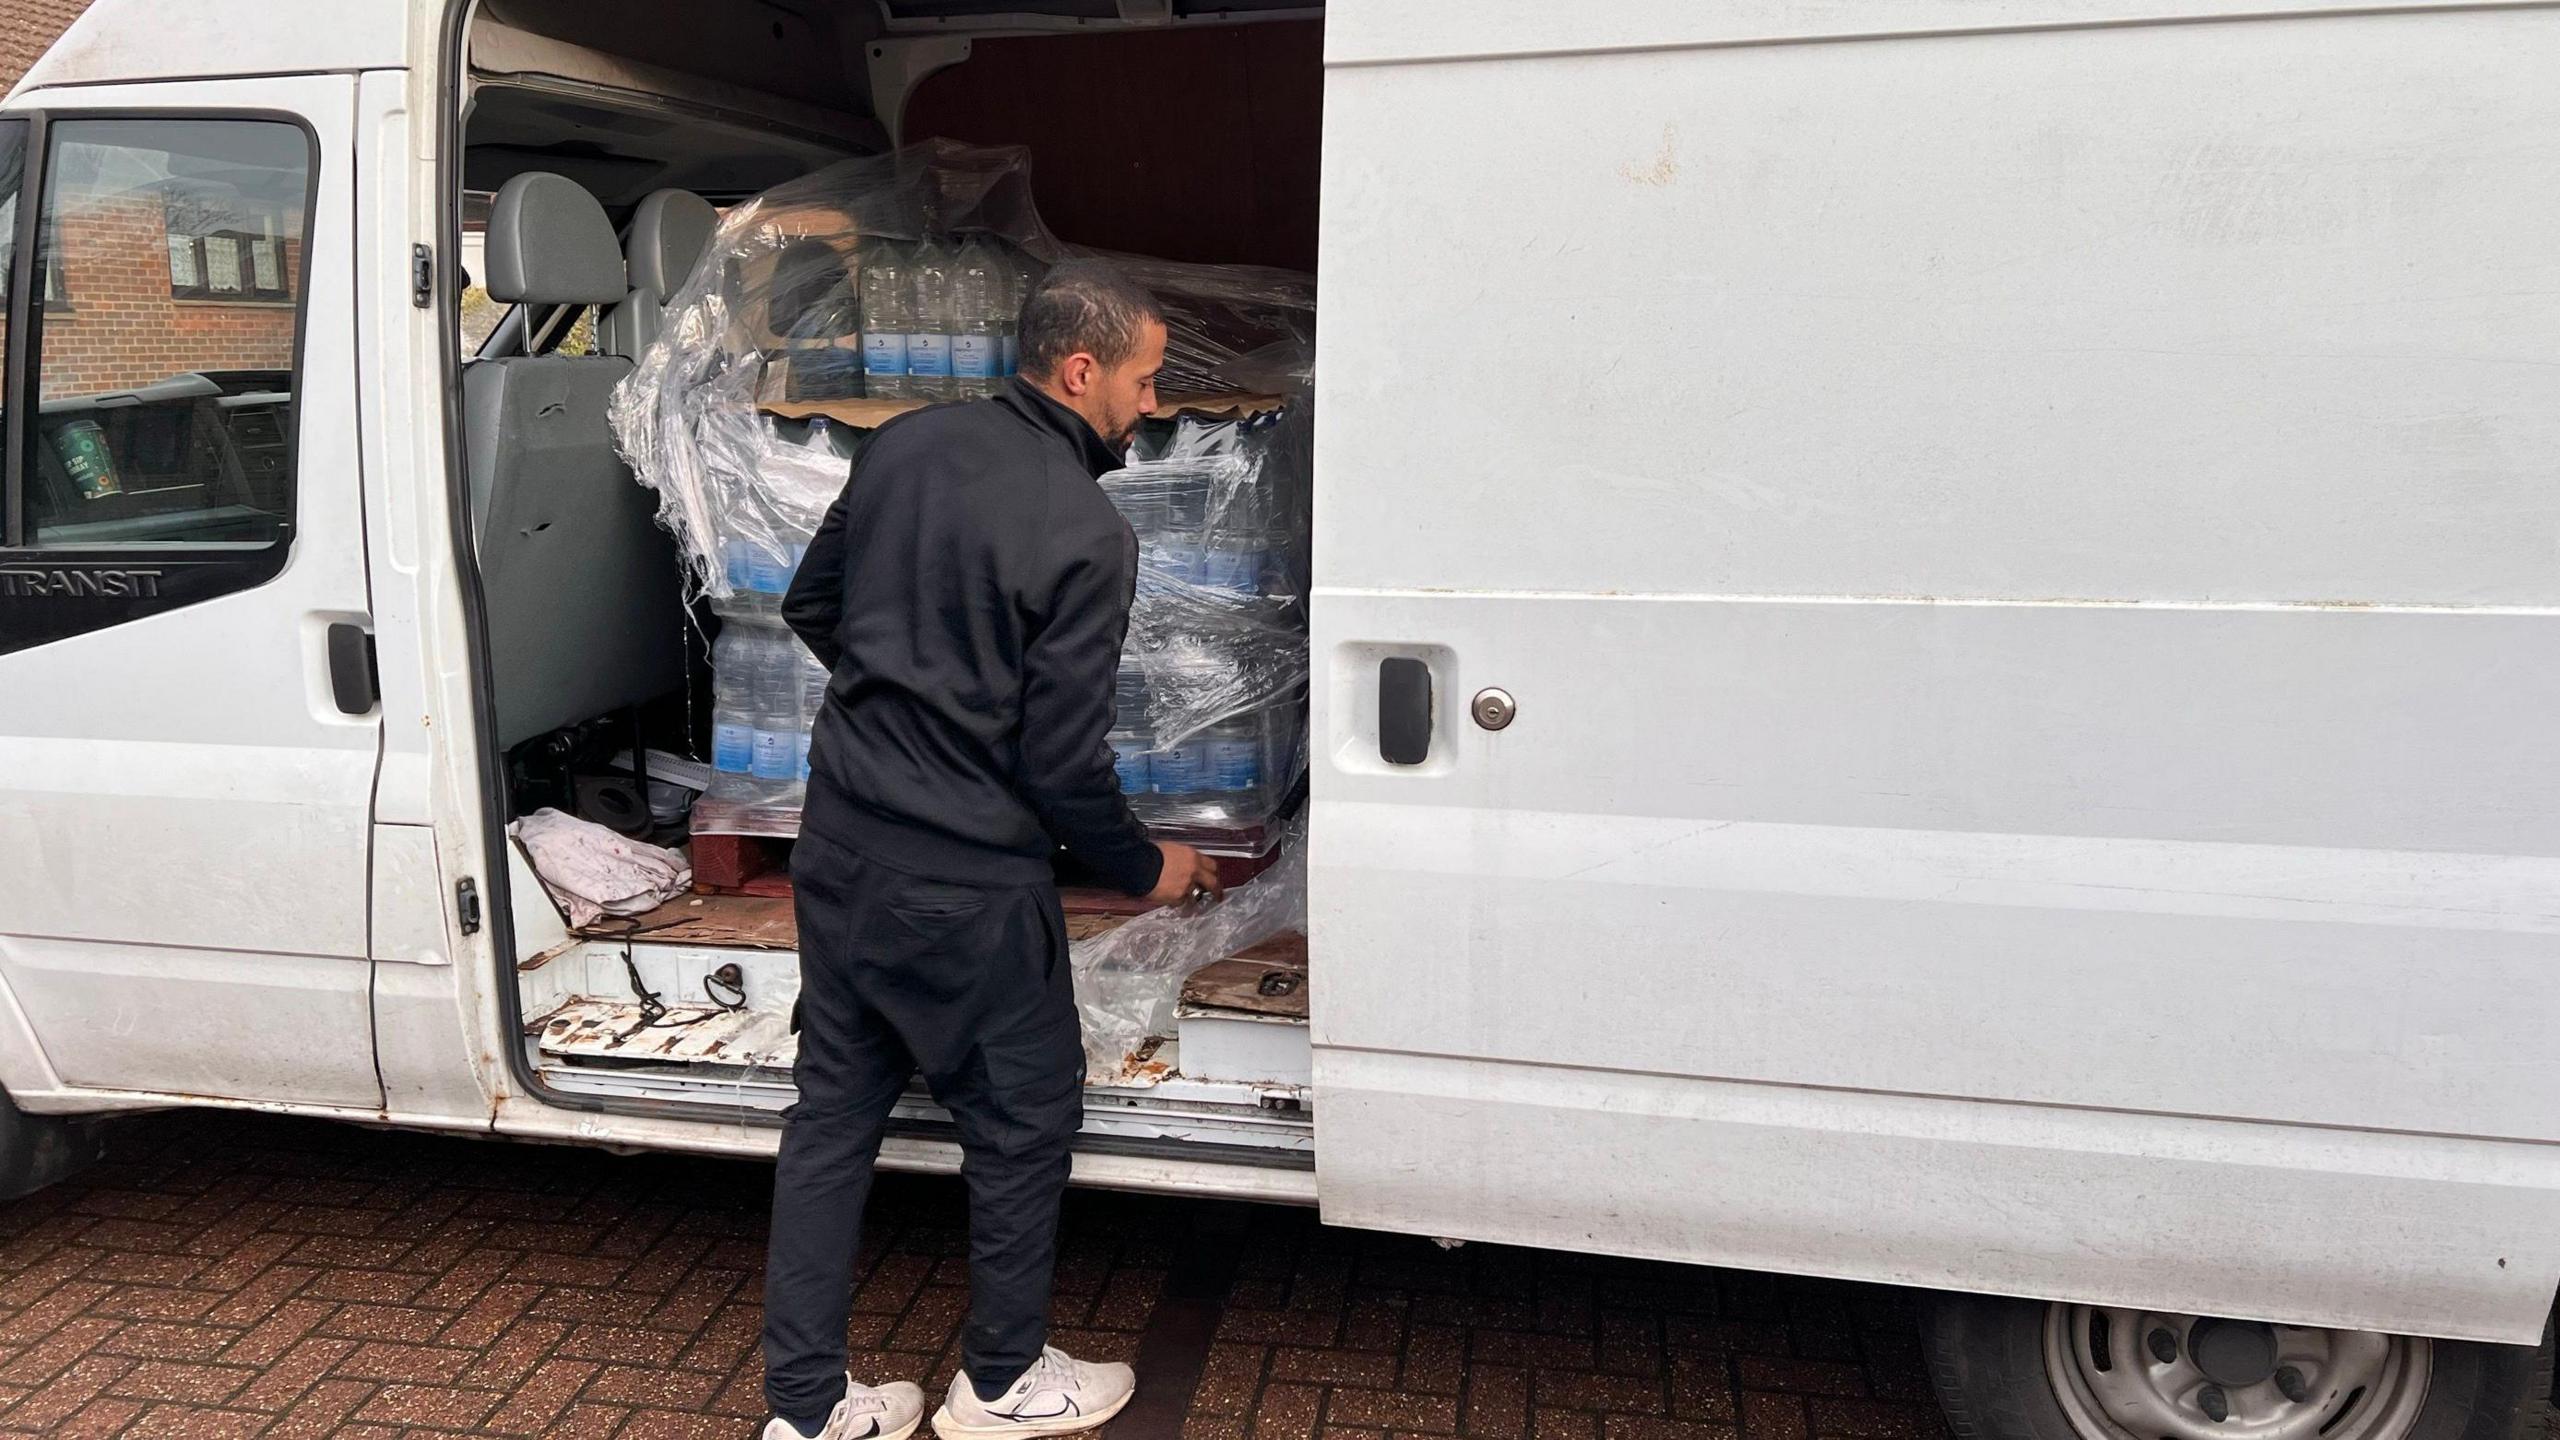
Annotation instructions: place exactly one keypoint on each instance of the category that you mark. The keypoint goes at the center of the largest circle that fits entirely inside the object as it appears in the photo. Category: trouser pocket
(1035, 1087)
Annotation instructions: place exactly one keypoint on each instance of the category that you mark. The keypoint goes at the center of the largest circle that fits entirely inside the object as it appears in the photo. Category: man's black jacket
(969, 591)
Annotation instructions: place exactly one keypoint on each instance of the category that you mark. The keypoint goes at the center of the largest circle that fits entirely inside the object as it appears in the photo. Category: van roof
(154, 40)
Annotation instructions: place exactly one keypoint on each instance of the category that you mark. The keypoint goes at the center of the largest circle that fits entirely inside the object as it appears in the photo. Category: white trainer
(867, 1412)
(1058, 1395)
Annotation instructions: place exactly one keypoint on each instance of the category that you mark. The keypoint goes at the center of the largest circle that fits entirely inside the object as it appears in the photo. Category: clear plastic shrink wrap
(1210, 735)
(826, 306)
(1128, 978)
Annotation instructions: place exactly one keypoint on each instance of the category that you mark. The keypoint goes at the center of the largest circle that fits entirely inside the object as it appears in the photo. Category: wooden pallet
(761, 865)
(755, 922)
(742, 865)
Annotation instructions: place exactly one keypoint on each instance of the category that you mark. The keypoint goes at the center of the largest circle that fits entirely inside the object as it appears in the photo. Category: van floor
(693, 1001)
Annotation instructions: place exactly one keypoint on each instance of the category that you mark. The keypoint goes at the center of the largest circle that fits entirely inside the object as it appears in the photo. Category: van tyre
(37, 1150)
(2027, 1370)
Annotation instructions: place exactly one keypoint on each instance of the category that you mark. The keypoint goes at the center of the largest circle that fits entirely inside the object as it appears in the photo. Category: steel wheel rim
(2112, 1385)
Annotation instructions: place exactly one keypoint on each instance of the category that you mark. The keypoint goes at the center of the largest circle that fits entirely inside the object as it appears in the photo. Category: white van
(2017, 541)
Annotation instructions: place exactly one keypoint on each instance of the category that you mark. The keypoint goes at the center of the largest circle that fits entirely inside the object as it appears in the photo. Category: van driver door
(188, 726)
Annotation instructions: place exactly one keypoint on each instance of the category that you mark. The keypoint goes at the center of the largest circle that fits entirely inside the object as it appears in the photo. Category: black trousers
(971, 986)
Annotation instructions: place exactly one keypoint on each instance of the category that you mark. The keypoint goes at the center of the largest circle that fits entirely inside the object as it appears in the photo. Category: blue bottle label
(733, 748)
(928, 355)
(1130, 761)
(884, 354)
(804, 756)
(769, 574)
(1180, 769)
(1235, 762)
(975, 357)
(1231, 567)
(1184, 560)
(777, 755)
(1012, 354)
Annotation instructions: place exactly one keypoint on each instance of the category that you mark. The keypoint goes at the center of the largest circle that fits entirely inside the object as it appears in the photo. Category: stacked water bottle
(765, 691)
(1211, 710)
(1205, 520)
(1214, 778)
(765, 685)
(938, 319)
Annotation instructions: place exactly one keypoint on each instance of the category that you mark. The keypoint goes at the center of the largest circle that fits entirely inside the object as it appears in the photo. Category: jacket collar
(1025, 399)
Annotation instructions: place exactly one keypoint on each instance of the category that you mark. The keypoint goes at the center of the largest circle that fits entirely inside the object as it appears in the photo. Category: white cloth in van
(592, 872)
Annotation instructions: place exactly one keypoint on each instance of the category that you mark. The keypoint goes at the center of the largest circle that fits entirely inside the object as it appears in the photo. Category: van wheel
(2024, 1370)
(37, 1150)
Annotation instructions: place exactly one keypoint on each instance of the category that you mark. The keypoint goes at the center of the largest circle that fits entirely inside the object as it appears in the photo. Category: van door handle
(355, 676)
(1404, 710)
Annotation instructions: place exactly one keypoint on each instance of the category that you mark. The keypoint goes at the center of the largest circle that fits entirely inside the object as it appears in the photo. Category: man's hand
(1185, 870)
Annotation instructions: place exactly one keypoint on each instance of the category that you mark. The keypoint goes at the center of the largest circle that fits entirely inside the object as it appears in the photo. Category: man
(969, 591)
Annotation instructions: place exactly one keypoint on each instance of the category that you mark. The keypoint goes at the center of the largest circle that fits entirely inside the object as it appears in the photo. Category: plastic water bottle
(1132, 737)
(929, 323)
(733, 721)
(884, 322)
(1233, 560)
(736, 564)
(813, 698)
(1180, 769)
(1183, 540)
(1234, 759)
(1009, 309)
(1129, 699)
(769, 570)
(777, 709)
(977, 346)
(1129, 760)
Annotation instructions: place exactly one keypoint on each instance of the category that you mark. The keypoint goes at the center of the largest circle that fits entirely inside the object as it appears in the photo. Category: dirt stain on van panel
(1665, 167)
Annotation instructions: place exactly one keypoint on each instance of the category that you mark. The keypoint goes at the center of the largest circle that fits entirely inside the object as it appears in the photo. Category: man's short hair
(1087, 305)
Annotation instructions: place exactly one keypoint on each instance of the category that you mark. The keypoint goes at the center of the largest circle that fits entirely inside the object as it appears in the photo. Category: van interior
(597, 142)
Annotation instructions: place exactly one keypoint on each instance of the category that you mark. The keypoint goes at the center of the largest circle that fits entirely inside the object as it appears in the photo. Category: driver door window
(172, 254)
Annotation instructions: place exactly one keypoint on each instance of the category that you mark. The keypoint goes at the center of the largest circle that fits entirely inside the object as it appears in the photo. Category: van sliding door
(1936, 645)
(188, 728)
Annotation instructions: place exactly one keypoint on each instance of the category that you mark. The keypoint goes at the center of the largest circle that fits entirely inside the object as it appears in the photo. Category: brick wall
(120, 327)
(27, 29)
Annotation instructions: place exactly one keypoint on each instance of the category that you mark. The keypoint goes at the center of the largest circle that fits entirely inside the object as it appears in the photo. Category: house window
(225, 245)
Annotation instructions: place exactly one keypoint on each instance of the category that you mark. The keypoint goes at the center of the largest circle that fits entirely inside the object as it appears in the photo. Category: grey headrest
(668, 234)
(549, 243)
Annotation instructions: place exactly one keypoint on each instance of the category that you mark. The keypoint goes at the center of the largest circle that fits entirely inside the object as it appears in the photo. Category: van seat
(669, 232)
(583, 593)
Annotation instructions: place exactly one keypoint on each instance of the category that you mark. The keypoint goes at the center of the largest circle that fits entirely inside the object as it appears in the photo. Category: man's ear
(1076, 372)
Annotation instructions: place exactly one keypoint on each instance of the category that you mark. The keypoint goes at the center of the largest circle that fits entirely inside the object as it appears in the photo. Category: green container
(83, 448)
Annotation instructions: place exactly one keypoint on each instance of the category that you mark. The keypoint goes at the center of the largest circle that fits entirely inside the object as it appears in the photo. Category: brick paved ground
(238, 1275)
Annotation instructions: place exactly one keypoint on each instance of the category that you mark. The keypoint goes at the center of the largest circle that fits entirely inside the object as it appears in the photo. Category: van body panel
(1372, 33)
(2399, 1233)
(2024, 562)
(186, 805)
(1862, 871)
(400, 413)
(2087, 315)
(529, 1118)
(117, 41)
